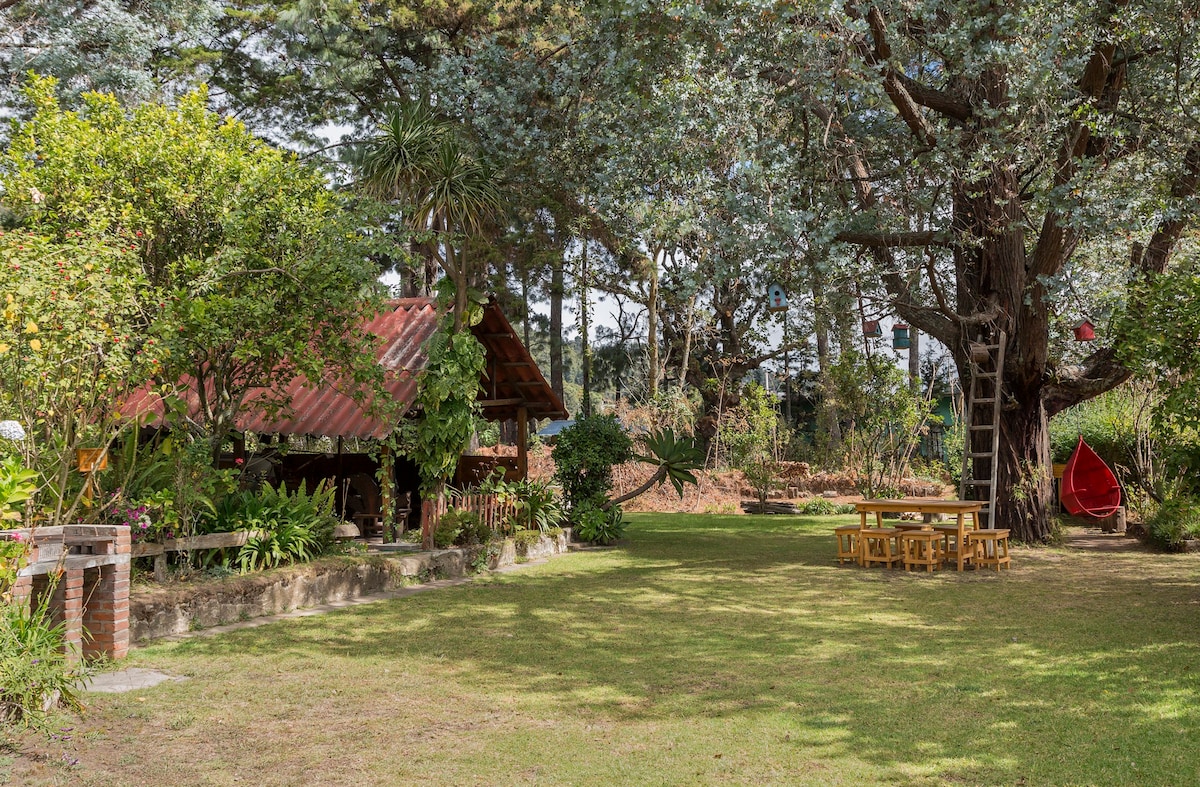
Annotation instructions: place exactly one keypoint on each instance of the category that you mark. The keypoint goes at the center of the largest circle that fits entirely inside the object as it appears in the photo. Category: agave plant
(676, 458)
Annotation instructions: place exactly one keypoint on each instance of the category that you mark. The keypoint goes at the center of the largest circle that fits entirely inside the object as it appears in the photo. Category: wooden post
(522, 443)
(387, 488)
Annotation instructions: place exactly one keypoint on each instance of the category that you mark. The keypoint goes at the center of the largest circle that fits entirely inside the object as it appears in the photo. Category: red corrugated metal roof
(403, 330)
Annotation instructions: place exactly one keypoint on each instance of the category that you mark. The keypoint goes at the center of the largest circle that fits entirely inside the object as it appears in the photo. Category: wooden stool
(950, 545)
(847, 538)
(877, 546)
(921, 548)
(991, 548)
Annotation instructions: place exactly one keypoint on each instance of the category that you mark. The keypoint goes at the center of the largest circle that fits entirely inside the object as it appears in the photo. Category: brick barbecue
(85, 571)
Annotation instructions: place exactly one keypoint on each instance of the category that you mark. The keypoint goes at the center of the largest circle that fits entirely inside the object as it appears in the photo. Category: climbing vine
(446, 391)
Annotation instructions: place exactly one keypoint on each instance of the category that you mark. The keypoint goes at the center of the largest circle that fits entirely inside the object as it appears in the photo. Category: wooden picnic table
(922, 505)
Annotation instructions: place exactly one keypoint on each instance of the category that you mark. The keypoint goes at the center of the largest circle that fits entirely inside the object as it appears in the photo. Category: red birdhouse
(1085, 331)
(871, 329)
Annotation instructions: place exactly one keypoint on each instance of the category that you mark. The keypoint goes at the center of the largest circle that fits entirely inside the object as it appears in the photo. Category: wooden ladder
(982, 426)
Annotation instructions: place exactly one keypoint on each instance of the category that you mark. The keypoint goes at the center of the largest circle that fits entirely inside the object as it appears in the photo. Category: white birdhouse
(776, 299)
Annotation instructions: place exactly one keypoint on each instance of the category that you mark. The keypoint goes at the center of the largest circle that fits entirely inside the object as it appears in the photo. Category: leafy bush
(445, 533)
(1176, 521)
(750, 434)
(597, 525)
(17, 485)
(524, 539)
(34, 667)
(13, 556)
(584, 457)
(470, 530)
(536, 504)
(883, 420)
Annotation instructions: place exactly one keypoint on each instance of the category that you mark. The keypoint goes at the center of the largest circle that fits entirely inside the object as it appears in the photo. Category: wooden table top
(920, 505)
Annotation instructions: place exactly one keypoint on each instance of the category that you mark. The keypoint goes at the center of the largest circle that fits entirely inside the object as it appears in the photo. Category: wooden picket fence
(491, 510)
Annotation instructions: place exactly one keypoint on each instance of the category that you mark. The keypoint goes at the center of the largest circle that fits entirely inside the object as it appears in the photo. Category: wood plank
(500, 402)
(208, 541)
(146, 549)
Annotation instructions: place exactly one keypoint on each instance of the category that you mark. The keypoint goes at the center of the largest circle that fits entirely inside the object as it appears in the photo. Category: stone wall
(166, 611)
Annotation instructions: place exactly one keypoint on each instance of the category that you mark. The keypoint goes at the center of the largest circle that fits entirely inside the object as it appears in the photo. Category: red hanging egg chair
(1089, 488)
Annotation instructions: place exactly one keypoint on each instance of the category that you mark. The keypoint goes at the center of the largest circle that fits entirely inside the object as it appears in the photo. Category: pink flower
(238, 461)
(18, 537)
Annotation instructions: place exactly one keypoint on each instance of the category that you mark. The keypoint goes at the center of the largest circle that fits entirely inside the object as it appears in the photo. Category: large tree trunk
(652, 328)
(585, 332)
(556, 327)
(1024, 490)
(828, 418)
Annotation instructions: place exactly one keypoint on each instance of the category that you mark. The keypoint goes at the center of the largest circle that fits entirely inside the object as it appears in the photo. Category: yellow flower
(3, 348)
(36, 344)
(31, 327)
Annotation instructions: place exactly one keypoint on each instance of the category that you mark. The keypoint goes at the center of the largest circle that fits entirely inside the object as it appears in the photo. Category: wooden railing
(207, 541)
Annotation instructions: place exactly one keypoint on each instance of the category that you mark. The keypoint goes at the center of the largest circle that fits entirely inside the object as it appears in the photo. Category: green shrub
(470, 530)
(750, 433)
(445, 533)
(34, 667)
(819, 506)
(526, 538)
(535, 503)
(597, 525)
(538, 506)
(17, 486)
(1176, 521)
(584, 457)
(13, 556)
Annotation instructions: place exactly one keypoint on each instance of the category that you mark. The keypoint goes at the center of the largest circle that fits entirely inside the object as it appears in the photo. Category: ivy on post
(446, 397)
(387, 491)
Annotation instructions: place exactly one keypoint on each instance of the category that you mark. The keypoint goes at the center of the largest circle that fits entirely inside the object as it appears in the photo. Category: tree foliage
(73, 340)
(252, 267)
(136, 51)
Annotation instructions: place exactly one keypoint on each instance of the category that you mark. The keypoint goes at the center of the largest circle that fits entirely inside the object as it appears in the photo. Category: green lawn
(707, 649)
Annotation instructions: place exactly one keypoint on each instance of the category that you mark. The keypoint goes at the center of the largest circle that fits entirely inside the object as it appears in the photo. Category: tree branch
(893, 240)
(1101, 372)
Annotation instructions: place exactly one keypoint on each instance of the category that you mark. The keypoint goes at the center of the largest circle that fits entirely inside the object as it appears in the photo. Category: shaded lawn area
(707, 649)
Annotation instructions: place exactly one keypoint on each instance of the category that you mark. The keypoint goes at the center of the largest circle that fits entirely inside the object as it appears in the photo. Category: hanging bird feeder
(900, 337)
(871, 329)
(776, 299)
(1085, 331)
(90, 461)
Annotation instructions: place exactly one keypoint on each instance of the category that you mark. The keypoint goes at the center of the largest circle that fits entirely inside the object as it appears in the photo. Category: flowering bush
(135, 516)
